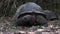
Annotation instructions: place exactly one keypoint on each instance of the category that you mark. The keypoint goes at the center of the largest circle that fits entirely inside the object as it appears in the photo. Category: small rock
(31, 32)
(40, 30)
(48, 33)
(20, 32)
(1, 33)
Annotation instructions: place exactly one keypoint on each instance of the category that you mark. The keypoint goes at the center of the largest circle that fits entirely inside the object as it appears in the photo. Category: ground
(6, 27)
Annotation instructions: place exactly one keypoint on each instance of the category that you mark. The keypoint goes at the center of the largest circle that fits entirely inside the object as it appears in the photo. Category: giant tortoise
(31, 14)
